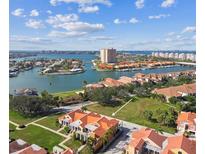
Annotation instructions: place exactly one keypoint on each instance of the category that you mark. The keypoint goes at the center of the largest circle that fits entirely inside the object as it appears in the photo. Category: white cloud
(88, 9)
(189, 29)
(167, 3)
(81, 26)
(82, 2)
(66, 34)
(97, 38)
(171, 33)
(18, 12)
(139, 4)
(59, 18)
(118, 21)
(49, 11)
(34, 13)
(28, 39)
(133, 21)
(35, 24)
(159, 16)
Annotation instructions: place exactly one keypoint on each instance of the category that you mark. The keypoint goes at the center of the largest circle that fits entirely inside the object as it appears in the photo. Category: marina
(58, 82)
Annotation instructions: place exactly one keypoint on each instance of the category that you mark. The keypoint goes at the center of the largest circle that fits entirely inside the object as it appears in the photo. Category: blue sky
(95, 24)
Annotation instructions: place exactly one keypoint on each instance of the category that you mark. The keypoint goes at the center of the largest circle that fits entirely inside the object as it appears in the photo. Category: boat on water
(13, 74)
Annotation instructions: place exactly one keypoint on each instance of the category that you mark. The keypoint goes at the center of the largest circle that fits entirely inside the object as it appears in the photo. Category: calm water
(32, 79)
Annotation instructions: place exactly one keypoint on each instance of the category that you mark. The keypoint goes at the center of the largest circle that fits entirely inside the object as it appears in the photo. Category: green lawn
(50, 122)
(20, 119)
(36, 135)
(66, 93)
(86, 150)
(73, 144)
(133, 112)
(11, 126)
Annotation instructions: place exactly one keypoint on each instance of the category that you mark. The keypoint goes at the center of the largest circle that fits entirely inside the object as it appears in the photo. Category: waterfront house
(26, 92)
(179, 145)
(145, 141)
(109, 82)
(94, 86)
(126, 80)
(89, 124)
(177, 91)
(186, 121)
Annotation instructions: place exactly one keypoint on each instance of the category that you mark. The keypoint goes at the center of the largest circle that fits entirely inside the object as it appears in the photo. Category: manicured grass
(11, 126)
(37, 135)
(73, 144)
(50, 122)
(66, 93)
(20, 119)
(133, 112)
(86, 150)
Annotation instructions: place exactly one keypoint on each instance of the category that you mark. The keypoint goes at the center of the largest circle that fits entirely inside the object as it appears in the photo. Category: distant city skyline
(95, 24)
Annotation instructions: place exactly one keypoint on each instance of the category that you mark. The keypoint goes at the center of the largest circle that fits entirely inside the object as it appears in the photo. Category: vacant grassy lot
(36, 135)
(20, 119)
(73, 144)
(66, 93)
(50, 122)
(133, 112)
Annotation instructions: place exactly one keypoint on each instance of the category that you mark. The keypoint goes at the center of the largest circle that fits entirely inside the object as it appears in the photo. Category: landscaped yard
(86, 150)
(50, 122)
(19, 119)
(133, 112)
(66, 93)
(36, 135)
(73, 144)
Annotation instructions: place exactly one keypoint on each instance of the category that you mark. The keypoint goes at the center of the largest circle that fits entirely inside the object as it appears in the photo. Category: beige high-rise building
(108, 55)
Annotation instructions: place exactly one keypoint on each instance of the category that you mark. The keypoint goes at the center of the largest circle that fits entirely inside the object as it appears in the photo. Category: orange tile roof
(180, 142)
(176, 90)
(146, 133)
(90, 118)
(187, 116)
(112, 82)
(104, 125)
(68, 151)
(125, 79)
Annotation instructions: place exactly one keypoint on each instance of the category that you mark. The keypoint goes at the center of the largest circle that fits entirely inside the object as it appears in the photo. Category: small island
(63, 67)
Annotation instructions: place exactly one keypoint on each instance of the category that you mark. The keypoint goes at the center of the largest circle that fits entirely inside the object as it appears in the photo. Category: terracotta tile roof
(74, 115)
(137, 143)
(104, 125)
(68, 151)
(90, 118)
(33, 149)
(177, 90)
(17, 145)
(180, 143)
(146, 133)
(111, 82)
(125, 80)
(189, 117)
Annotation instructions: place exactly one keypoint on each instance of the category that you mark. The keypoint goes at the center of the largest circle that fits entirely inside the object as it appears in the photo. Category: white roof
(76, 123)
(20, 142)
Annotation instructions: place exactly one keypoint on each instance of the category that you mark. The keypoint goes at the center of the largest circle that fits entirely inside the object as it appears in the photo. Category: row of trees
(34, 105)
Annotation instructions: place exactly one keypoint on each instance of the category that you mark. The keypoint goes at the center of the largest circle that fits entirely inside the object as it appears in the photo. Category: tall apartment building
(108, 55)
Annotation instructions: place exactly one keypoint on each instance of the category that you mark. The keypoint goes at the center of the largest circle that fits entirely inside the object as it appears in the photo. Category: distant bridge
(186, 63)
